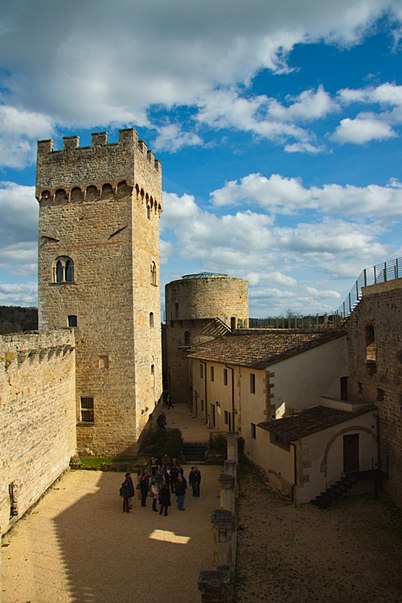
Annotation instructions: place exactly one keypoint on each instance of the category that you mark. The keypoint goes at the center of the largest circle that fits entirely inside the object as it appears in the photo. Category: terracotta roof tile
(310, 421)
(262, 349)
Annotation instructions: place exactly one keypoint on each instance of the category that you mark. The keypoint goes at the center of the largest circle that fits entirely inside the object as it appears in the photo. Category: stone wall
(199, 309)
(219, 296)
(99, 214)
(375, 369)
(37, 417)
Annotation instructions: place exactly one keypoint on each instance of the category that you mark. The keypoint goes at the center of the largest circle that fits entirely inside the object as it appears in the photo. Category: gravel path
(351, 552)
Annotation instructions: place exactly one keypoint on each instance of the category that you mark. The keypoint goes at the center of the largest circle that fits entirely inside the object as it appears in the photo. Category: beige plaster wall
(301, 380)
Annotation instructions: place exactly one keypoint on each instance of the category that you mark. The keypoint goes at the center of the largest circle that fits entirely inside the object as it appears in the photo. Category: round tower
(199, 307)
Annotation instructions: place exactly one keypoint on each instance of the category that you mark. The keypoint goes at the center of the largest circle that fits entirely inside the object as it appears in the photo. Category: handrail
(380, 273)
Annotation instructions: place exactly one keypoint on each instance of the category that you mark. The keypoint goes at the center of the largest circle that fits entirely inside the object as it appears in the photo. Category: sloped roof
(310, 421)
(261, 349)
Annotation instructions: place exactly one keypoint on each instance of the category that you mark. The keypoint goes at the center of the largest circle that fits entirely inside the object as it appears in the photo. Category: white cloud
(172, 138)
(282, 195)
(317, 293)
(18, 295)
(308, 105)
(109, 63)
(19, 131)
(363, 129)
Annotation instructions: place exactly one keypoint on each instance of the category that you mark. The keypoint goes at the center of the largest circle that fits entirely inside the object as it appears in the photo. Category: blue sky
(278, 126)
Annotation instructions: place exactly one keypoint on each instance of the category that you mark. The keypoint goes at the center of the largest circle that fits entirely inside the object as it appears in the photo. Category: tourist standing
(195, 481)
(144, 488)
(126, 493)
(180, 490)
(164, 499)
(154, 493)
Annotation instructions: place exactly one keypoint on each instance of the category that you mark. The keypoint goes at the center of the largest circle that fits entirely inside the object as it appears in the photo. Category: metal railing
(381, 273)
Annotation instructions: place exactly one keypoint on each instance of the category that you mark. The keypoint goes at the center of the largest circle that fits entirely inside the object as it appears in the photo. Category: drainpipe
(233, 397)
(204, 364)
(292, 495)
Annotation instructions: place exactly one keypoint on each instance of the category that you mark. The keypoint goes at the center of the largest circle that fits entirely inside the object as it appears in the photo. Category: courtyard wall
(37, 417)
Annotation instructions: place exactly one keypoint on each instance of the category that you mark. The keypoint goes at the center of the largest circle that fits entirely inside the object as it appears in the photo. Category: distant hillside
(14, 319)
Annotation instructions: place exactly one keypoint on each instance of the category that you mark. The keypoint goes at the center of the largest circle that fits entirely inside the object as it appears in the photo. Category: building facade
(99, 209)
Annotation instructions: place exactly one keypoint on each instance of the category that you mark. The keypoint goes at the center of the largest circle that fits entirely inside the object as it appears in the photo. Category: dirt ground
(78, 546)
(350, 552)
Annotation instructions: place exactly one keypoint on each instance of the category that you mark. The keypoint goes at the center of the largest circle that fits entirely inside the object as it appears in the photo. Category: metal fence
(381, 273)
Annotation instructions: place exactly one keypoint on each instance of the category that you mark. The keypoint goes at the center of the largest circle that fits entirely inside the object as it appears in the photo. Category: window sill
(85, 424)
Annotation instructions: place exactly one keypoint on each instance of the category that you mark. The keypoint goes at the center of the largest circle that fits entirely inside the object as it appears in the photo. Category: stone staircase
(216, 328)
(336, 490)
(194, 452)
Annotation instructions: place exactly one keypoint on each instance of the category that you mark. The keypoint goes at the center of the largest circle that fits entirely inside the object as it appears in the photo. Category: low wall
(37, 417)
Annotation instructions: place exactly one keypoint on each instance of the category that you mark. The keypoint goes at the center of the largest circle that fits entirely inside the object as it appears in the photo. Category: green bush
(167, 441)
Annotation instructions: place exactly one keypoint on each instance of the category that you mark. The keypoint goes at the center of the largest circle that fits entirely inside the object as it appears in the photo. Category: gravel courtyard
(350, 552)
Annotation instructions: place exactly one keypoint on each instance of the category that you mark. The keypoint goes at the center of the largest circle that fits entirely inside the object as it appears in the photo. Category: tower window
(153, 274)
(72, 320)
(87, 410)
(151, 319)
(63, 270)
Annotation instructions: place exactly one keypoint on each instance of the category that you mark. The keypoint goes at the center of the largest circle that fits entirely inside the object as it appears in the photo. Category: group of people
(162, 479)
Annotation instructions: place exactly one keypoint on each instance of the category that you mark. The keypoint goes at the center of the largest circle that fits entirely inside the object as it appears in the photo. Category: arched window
(69, 270)
(153, 274)
(59, 272)
(151, 319)
(63, 270)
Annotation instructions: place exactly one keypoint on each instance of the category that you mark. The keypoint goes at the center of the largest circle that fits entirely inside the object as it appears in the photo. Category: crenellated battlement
(127, 161)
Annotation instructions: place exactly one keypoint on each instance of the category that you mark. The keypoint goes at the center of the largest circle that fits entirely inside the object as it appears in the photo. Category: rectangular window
(87, 410)
(202, 405)
(152, 369)
(72, 320)
(380, 395)
(225, 376)
(253, 431)
(201, 371)
(252, 383)
(212, 373)
(103, 362)
(226, 417)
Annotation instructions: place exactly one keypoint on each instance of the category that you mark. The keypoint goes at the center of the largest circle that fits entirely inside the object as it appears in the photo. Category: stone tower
(99, 210)
(199, 307)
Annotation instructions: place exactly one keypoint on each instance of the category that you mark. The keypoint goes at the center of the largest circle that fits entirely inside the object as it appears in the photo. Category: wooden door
(351, 452)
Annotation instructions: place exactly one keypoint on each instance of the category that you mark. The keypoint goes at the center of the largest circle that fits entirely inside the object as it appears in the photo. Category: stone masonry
(99, 209)
(375, 369)
(37, 417)
(199, 308)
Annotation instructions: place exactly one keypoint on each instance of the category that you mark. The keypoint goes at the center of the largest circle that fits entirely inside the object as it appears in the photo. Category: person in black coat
(127, 492)
(195, 481)
(144, 488)
(164, 499)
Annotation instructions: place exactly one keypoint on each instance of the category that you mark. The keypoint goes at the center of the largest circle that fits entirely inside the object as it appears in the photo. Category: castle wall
(192, 307)
(37, 416)
(99, 212)
(375, 369)
(215, 296)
